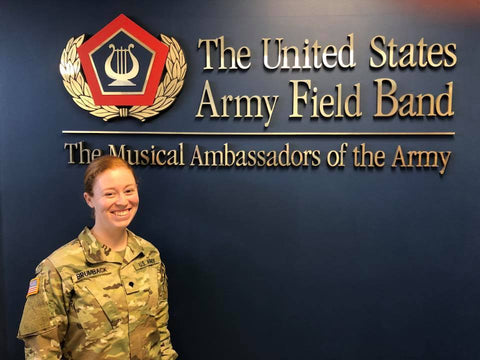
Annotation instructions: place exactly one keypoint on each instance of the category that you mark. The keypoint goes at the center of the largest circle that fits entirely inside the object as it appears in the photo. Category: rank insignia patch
(127, 72)
(33, 286)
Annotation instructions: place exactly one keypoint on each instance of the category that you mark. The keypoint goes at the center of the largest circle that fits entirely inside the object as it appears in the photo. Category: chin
(122, 224)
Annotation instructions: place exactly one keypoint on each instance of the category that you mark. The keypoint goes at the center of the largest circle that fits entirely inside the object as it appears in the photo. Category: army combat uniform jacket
(87, 302)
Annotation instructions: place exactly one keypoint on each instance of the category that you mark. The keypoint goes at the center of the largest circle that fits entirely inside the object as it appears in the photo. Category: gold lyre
(120, 75)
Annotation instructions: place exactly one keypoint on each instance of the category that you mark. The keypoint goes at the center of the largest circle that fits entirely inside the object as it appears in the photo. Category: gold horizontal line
(207, 133)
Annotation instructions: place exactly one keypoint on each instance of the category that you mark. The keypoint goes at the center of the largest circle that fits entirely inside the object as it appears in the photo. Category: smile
(121, 212)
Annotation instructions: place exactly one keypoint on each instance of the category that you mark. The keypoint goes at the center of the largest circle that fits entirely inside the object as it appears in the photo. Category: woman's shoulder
(66, 256)
(146, 245)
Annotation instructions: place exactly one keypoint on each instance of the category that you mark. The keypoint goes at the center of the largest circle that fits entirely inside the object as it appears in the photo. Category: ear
(88, 199)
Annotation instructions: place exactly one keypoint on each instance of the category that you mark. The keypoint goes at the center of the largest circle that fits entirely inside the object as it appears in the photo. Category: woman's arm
(44, 320)
(162, 318)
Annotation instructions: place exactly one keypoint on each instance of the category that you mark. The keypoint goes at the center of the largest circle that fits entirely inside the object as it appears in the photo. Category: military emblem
(33, 286)
(123, 71)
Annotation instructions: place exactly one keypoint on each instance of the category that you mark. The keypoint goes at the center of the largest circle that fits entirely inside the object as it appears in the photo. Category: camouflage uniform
(92, 304)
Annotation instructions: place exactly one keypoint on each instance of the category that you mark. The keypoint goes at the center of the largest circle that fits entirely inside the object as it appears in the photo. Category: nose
(121, 199)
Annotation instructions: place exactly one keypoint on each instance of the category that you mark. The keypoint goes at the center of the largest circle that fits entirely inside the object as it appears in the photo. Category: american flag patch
(33, 287)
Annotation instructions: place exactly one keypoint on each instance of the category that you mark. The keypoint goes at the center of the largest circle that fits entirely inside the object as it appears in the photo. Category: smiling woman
(103, 294)
(113, 196)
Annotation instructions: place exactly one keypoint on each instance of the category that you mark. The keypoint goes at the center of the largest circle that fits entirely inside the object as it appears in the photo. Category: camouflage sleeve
(44, 319)
(162, 319)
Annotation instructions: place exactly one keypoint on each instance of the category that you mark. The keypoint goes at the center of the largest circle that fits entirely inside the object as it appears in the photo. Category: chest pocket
(96, 302)
(147, 273)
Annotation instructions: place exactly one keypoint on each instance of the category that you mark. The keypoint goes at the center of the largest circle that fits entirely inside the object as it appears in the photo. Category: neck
(115, 239)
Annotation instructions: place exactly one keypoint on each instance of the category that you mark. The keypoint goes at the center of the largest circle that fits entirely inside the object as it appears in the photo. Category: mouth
(121, 213)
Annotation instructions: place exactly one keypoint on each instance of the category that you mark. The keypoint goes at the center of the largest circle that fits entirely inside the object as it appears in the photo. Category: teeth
(121, 213)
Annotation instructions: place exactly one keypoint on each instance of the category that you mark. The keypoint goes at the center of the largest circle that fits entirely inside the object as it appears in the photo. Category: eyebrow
(112, 188)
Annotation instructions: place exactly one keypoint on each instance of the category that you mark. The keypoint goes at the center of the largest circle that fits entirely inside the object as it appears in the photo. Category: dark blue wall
(262, 263)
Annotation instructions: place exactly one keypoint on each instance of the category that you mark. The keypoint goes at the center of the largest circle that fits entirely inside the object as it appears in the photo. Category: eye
(109, 194)
(130, 191)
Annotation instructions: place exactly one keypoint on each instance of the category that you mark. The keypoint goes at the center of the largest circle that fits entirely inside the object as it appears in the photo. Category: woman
(104, 294)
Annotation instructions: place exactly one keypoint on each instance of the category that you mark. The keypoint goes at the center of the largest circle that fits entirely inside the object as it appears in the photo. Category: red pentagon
(159, 50)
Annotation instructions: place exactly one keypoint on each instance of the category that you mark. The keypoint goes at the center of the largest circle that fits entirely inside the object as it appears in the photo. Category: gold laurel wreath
(77, 87)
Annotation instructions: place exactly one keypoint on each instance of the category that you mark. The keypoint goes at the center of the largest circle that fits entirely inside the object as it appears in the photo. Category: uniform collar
(95, 252)
(134, 249)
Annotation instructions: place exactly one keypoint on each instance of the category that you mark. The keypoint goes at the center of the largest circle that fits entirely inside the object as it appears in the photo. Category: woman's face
(115, 198)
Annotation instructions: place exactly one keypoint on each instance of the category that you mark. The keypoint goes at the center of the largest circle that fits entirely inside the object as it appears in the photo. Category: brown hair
(98, 166)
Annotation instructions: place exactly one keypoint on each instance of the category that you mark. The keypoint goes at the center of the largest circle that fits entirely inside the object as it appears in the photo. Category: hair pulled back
(98, 166)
